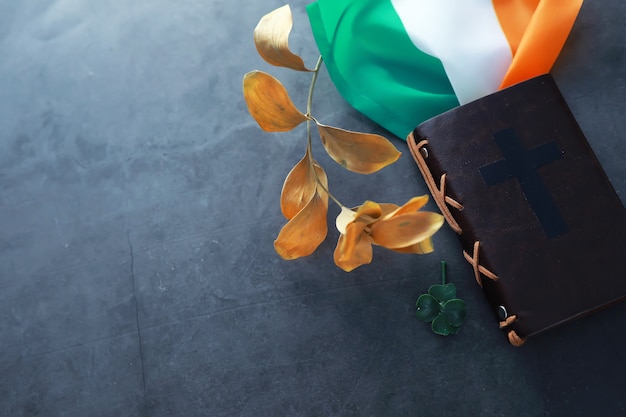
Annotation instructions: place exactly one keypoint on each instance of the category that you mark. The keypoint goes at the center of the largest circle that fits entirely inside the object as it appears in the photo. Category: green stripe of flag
(376, 67)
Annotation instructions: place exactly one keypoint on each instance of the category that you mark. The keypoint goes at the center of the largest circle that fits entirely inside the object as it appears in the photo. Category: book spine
(437, 186)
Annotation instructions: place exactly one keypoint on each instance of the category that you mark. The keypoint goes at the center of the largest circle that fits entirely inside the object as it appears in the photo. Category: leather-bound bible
(538, 219)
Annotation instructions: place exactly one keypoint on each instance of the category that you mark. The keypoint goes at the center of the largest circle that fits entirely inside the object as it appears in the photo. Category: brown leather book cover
(537, 216)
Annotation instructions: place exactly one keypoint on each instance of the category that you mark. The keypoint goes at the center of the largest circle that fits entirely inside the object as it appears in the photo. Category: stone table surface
(138, 206)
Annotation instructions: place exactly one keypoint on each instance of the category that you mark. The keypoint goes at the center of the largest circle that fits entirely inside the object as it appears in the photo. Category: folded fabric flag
(400, 62)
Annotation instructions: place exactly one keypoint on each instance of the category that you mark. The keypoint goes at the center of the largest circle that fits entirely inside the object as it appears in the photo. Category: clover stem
(443, 272)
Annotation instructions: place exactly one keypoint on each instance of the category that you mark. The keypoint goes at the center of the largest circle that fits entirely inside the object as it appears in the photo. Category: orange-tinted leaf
(269, 103)
(388, 208)
(410, 206)
(368, 212)
(271, 37)
(420, 248)
(358, 152)
(298, 187)
(323, 178)
(354, 248)
(406, 229)
(304, 232)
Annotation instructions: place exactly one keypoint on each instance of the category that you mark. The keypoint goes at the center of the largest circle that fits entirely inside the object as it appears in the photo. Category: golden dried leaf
(300, 184)
(363, 153)
(269, 103)
(369, 211)
(353, 248)
(366, 213)
(305, 231)
(410, 206)
(405, 230)
(420, 248)
(298, 187)
(271, 37)
(388, 208)
(321, 176)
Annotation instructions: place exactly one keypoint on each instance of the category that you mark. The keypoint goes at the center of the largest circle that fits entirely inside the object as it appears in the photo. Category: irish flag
(400, 62)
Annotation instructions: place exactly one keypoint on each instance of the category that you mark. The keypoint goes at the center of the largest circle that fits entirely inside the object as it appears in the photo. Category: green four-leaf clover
(441, 307)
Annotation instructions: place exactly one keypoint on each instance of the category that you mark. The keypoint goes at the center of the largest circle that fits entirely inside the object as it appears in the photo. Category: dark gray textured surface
(139, 202)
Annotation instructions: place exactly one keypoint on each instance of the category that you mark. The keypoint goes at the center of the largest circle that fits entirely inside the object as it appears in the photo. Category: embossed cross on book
(522, 165)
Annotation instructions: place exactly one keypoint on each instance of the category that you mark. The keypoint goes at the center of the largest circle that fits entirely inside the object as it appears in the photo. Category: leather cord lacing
(444, 202)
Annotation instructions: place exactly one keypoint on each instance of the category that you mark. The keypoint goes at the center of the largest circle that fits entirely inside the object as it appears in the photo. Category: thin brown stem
(308, 131)
(316, 71)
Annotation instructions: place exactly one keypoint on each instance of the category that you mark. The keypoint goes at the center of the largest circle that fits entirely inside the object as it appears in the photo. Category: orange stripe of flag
(536, 31)
(514, 16)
